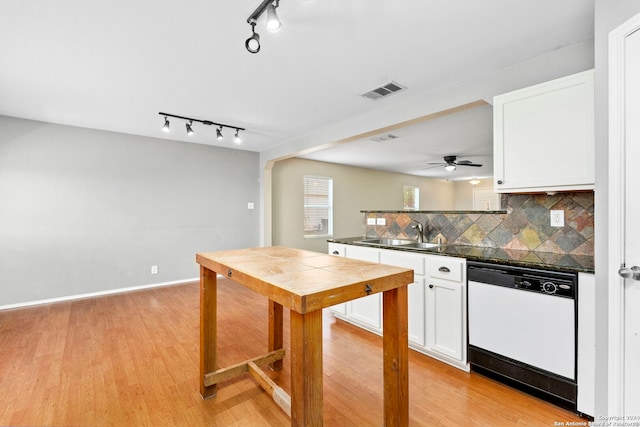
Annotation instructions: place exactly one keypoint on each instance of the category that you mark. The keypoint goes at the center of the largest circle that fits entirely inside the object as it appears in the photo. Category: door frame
(616, 191)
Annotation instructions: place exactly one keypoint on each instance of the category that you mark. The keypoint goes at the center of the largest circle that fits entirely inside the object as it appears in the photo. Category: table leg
(208, 331)
(306, 369)
(396, 350)
(275, 332)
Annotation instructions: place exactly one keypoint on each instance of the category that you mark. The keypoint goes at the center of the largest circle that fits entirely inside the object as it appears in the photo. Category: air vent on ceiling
(384, 90)
(383, 138)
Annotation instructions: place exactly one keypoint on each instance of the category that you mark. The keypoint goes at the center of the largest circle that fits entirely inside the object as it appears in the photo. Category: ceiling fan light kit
(451, 163)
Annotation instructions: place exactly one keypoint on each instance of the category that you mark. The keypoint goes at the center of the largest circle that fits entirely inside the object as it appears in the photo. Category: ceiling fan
(450, 163)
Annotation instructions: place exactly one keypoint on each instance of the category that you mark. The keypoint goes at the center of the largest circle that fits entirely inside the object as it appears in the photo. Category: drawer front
(446, 268)
(403, 259)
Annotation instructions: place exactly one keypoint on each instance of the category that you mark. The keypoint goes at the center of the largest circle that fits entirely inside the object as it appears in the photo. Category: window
(318, 206)
(411, 197)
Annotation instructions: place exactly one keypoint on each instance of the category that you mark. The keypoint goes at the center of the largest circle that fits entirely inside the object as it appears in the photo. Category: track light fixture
(273, 23)
(253, 43)
(236, 138)
(189, 124)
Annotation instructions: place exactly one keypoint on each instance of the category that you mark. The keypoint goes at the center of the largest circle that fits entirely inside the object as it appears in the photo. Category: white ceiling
(113, 65)
(412, 149)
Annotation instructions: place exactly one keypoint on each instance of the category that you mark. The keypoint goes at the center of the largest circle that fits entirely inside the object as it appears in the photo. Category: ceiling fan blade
(467, 163)
(433, 165)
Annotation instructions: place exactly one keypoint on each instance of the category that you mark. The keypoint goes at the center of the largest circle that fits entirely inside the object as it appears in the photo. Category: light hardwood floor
(132, 360)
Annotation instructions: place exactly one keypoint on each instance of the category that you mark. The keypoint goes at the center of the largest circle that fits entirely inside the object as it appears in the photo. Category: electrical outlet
(381, 221)
(557, 218)
(371, 221)
(154, 269)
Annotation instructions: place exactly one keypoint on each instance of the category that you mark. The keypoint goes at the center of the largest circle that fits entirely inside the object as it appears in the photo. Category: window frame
(416, 197)
(321, 232)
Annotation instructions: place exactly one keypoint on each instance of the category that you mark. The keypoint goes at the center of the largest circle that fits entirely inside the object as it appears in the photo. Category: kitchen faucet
(420, 229)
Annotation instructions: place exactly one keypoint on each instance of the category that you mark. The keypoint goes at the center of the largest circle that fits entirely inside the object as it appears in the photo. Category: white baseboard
(96, 294)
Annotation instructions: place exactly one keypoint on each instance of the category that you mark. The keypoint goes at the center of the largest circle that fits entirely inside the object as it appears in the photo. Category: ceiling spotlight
(189, 130)
(273, 22)
(219, 133)
(474, 181)
(253, 43)
(450, 167)
(236, 137)
(166, 126)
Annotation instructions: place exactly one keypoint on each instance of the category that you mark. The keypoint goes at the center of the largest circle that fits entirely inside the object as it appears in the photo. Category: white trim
(616, 230)
(96, 294)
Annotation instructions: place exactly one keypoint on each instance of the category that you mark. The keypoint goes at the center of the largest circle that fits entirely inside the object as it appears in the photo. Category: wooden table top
(304, 281)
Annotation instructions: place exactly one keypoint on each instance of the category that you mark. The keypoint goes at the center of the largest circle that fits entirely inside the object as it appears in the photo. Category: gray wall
(608, 16)
(86, 211)
(354, 189)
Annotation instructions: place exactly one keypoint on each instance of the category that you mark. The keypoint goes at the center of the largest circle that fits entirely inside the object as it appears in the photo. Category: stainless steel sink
(399, 242)
(386, 242)
(421, 245)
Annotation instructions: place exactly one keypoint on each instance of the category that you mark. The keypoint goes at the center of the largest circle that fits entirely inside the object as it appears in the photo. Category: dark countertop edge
(500, 212)
(583, 263)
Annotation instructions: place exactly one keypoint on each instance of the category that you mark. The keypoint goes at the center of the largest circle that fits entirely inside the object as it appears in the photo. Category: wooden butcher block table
(305, 282)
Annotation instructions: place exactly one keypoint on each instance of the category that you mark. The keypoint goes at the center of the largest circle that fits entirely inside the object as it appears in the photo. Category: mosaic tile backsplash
(524, 226)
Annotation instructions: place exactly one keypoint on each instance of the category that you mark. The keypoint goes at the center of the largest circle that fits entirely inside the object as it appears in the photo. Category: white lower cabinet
(436, 301)
(365, 312)
(586, 343)
(446, 313)
(415, 291)
(444, 318)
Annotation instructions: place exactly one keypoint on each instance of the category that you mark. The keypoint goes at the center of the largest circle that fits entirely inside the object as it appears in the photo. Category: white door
(632, 227)
(624, 227)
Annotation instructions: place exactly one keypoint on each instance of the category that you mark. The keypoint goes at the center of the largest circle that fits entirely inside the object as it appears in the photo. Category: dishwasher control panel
(549, 282)
(551, 286)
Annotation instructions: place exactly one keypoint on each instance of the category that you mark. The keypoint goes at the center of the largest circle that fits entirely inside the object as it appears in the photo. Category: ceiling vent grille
(383, 138)
(384, 90)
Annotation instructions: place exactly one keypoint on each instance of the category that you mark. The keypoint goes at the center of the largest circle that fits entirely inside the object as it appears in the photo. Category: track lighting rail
(259, 11)
(204, 122)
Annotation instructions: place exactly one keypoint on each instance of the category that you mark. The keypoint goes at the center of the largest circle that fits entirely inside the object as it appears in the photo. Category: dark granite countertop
(548, 260)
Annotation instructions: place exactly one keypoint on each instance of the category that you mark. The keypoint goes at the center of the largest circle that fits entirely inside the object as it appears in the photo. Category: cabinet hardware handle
(229, 273)
(499, 181)
(430, 286)
(367, 288)
(444, 269)
(336, 253)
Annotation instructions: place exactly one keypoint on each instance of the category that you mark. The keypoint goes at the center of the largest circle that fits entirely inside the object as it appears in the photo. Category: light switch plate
(381, 221)
(557, 218)
(371, 221)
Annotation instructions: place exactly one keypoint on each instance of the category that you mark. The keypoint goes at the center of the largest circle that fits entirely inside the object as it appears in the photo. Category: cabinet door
(444, 318)
(416, 311)
(366, 310)
(586, 343)
(544, 136)
(415, 290)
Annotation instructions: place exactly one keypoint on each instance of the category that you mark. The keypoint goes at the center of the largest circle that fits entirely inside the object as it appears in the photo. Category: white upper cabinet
(544, 136)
